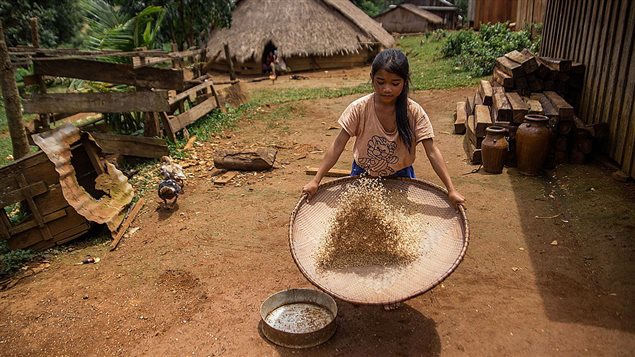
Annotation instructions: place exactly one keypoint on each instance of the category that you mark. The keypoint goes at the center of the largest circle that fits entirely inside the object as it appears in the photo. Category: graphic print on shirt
(381, 153)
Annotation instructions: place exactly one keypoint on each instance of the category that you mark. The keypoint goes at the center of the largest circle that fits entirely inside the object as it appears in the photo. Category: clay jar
(494, 149)
(532, 144)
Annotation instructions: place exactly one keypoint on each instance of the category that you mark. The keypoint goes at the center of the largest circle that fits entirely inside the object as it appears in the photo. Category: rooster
(172, 171)
(169, 189)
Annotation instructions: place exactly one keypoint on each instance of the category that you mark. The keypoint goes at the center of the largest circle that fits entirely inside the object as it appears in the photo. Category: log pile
(526, 84)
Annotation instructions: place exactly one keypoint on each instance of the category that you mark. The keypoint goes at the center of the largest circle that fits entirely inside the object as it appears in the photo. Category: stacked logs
(523, 84)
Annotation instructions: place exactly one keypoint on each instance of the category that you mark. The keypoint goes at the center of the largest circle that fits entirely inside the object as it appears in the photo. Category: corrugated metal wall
(600, 34)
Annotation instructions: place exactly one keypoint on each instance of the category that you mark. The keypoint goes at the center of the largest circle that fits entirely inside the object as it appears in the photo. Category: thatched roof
(430, 17)
(296, 28)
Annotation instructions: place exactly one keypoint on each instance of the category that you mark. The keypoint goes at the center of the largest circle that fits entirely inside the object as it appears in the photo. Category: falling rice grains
(368, 230)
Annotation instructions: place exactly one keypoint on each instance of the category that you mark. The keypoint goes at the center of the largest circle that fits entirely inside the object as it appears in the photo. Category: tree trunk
(12, 101)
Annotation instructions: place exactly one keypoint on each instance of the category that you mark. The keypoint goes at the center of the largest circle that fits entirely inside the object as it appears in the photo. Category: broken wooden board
(246, 160)
(126, 223)
(98, 102)
(225, 178)
(130, 145)
(192, 115)
(330, 173)
(145, 77)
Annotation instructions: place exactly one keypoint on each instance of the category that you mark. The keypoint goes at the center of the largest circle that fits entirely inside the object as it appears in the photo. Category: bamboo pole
(45, 120)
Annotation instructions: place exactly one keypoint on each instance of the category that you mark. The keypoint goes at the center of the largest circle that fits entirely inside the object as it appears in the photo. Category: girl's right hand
(310, 189)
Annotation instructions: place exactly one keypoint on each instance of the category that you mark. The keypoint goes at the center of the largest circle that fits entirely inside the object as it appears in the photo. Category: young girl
(387, 126)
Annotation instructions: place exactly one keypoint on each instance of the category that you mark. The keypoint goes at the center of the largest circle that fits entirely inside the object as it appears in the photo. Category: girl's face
(387, 86)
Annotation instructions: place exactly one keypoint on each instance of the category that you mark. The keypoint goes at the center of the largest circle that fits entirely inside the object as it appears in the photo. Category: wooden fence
(600, 34)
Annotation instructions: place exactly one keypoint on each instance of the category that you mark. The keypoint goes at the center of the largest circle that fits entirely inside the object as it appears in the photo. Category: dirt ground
(190, 282)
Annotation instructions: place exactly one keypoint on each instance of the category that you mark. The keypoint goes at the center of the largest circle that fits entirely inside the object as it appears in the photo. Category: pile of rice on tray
(369, 228)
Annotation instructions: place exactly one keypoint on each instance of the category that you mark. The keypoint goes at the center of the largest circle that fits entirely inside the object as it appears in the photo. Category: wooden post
(230, 64)
(45, 118)
(176, 63)
(12, 101)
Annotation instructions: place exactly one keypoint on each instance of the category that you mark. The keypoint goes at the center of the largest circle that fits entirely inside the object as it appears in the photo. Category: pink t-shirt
(378, 151)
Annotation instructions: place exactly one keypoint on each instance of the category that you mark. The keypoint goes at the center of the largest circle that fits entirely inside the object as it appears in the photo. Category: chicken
(169, 189)
(172, 171)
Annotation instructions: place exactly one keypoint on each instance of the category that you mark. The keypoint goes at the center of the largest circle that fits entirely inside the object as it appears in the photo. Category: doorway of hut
(269, 58)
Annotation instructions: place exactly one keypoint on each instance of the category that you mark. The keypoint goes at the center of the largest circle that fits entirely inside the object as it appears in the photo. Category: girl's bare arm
(438, 164)
(330, 158)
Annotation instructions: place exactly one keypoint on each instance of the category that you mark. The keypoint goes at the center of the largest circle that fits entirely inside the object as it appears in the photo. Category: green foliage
(109, 28)
(11, 261)
(59, 21)
(477, 51)
(187, 22)
(374, 7)
(428, 70)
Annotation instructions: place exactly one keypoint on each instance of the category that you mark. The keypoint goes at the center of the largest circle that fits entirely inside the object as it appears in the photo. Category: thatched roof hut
(408, 18)
(308, 34)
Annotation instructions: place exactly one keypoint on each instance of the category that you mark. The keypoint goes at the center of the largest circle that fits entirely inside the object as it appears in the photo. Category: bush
(476, 52)
(12, 260)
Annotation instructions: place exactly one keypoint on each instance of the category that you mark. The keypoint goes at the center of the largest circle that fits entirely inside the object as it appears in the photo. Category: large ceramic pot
(532, 144)
(494, 149)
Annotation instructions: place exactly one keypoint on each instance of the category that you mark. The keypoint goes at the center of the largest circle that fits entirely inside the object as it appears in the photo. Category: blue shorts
(408, 172)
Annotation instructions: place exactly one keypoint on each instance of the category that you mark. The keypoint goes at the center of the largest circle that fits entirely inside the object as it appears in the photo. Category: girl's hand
(310, 188)
(456, 198)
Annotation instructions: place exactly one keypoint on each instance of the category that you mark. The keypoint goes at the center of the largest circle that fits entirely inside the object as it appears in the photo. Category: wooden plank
(461, 118)
(485, 89)
(189, 92)
(619, 74)
(503, 79)
(534, 107)
(331, 173)
(126, 223)
(547, 108)
(19, 194)
(510, 67)
(519, 107)
(32, 223)
(469, 106)
(526, 61)
(565, 110)
(483, 119)
(470, 131)
(225, 178)
(98, 102)
(146, 77)
(167, 127)
(130, 145)
(182, 120)
(501, 108)
(93, 156)
(245, 160)
(473, 154)
(28, 196)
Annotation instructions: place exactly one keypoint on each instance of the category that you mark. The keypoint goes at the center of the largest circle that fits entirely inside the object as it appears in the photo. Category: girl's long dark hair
(394, 61)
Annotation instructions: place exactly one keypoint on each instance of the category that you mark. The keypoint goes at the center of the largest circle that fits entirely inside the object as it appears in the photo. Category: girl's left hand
(456, 198)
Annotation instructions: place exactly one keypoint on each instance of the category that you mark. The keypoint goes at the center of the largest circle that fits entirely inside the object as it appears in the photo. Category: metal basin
(298, 318)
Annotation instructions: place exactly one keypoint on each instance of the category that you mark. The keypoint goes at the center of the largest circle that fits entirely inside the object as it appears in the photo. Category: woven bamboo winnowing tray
(442, 245)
